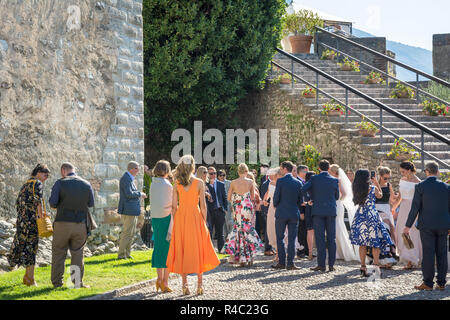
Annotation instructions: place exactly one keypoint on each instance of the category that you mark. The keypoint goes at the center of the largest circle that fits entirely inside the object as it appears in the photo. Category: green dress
(161, 245)
(25, 245)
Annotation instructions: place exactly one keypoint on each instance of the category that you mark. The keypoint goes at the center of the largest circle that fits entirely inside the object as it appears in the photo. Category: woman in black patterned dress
(29, 206)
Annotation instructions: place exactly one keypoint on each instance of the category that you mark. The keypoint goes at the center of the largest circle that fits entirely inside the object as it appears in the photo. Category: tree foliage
(201, 57)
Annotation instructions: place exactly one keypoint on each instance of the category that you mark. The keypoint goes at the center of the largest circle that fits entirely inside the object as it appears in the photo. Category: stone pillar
(441, 55)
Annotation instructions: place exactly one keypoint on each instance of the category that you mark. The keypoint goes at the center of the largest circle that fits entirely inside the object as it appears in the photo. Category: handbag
(407, 241)
(44, 224)
(146, 230)
(90, 223)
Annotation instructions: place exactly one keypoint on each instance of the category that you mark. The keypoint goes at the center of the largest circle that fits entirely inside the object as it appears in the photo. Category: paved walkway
(228, 282)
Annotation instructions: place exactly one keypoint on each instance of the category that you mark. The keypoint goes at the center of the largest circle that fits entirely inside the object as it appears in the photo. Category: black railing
(418, 90)
(423, 129)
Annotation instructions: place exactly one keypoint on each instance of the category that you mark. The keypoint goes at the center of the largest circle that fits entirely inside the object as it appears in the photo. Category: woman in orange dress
(191, 249)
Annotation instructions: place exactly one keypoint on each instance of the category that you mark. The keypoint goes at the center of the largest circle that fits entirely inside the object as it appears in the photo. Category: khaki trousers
(68, 236)
(127, 235)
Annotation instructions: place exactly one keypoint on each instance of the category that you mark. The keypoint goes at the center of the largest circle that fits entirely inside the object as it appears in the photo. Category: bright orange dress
(191, 249)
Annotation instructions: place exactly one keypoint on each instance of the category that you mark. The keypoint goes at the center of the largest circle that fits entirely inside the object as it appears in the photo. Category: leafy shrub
(402, 91)
(354, 65)
(311, 157)
(201, 58)
(301, 22)
(332, 105)
(434, 108)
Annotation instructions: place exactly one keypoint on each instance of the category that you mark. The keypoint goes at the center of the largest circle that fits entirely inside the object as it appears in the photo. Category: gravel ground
(260, 281)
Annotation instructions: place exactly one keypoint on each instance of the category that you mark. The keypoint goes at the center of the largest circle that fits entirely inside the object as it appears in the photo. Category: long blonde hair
(185, 168)
(200, 171)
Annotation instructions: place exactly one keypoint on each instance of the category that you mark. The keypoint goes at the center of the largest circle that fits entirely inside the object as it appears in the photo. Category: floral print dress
(367, 228)
(243, 241)
(25, 245)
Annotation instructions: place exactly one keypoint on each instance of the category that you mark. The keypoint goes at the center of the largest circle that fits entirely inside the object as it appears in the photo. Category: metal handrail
(424, 74)
(380, 105)
(386, 74)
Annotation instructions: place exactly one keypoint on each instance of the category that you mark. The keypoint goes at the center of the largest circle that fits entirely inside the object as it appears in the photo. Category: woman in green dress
(161, 212)
(29, 205)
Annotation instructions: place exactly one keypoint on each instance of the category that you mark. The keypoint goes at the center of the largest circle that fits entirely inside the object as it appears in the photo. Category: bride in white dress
(344, 249)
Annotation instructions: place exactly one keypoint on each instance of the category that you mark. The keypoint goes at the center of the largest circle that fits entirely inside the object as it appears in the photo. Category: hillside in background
(416, 57)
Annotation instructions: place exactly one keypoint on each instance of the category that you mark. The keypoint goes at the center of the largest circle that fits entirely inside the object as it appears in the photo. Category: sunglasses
(387, 178)
(221, 175)
(211, 173)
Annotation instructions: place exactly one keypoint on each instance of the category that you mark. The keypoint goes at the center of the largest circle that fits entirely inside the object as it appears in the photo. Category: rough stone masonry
(71, 89)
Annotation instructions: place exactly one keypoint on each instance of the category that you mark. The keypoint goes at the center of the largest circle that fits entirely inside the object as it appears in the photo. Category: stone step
(387, 137)
(356, 101)
(352, 121)
(442, 155)
(430, 147)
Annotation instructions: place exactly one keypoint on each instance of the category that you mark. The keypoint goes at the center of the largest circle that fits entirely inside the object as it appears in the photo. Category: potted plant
(434, 108)
(302, 25)
(400, 91)
(367, 129)
(400, 151)
(373, 78)
(285, 78)
(332, 109)
(329, 55)
(348, 65)
(309, 93)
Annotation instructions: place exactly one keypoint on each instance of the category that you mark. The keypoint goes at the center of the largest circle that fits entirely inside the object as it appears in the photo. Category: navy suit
(324, 191)
(432, 203)
(287, 200)
(217, 210)
(130, 197)
(261, 221)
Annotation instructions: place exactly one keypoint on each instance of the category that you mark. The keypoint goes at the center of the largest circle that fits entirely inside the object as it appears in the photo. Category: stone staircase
(379, 92)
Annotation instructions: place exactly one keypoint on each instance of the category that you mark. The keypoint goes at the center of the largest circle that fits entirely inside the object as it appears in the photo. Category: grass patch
(103, 273)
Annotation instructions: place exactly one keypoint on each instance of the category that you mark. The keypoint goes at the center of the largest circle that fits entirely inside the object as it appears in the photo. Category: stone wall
(441, 55)
(376, 43)
(277, 108)
(71, 89)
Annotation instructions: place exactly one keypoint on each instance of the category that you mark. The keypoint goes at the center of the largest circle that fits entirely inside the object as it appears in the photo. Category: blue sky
(411, 22)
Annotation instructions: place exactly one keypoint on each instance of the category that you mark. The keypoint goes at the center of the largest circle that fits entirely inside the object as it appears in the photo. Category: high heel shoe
(186, 290)
(363, 271)
(200, 291)
(158, 285)
(165, 289)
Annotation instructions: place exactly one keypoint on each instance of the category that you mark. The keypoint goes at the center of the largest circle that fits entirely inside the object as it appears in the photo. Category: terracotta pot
(330, 57)
(366, 133)
(403, 95)
(300, 43)
(285, 81)
(334, 113)
(403, 156)
(346, 67)
(372, 81)
(309, 95)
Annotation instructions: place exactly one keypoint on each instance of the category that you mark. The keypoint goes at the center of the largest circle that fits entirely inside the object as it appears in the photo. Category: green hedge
(201, 58)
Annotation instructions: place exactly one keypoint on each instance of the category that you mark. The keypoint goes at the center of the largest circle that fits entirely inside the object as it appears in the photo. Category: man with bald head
(129, 209)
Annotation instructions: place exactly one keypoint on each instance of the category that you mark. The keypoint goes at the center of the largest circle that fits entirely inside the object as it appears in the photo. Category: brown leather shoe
(268, 253)
(423, 286)
(317, 269)
(292, 267)
(438, 287)
(279, 266)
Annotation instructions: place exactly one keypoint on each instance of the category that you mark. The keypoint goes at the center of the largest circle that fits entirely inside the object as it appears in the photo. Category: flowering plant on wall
(285, 78)
(400, 151)
(332, 108)
(329, 55)
(374, 77)
(434, 108)
(311, 157)
(367, 129)
(309, 93)
(348, 65)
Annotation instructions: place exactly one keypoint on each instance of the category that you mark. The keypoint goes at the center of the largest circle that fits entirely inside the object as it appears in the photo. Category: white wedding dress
(344, 249)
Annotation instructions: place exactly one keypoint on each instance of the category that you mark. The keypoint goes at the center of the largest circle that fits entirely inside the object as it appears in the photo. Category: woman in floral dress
(243, 242)
(367, 229)
(29, 205)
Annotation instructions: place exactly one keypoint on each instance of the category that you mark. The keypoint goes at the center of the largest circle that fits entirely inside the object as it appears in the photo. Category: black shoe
(321, 269)
(292, 267)
(130, 257)
(301, 255)
(279, 266)
(331, 269)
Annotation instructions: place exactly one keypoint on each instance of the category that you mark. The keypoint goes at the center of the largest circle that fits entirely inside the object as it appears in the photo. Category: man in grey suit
(129, 208)
(431, 203)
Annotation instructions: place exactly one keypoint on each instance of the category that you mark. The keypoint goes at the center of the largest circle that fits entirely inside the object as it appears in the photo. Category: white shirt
(160, 197)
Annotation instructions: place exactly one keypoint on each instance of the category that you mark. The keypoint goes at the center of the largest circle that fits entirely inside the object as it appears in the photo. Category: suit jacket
(324, 191)
(432, 203)
(288, 197)
(219, 195)
(129, 201)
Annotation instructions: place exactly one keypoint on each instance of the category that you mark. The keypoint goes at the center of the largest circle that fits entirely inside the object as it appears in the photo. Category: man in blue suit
(217, 208)
(129, 208)
(287, 201)
(432, 203)
(324, 191)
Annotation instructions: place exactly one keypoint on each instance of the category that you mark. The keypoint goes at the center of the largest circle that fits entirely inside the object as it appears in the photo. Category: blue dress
(367, 228)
